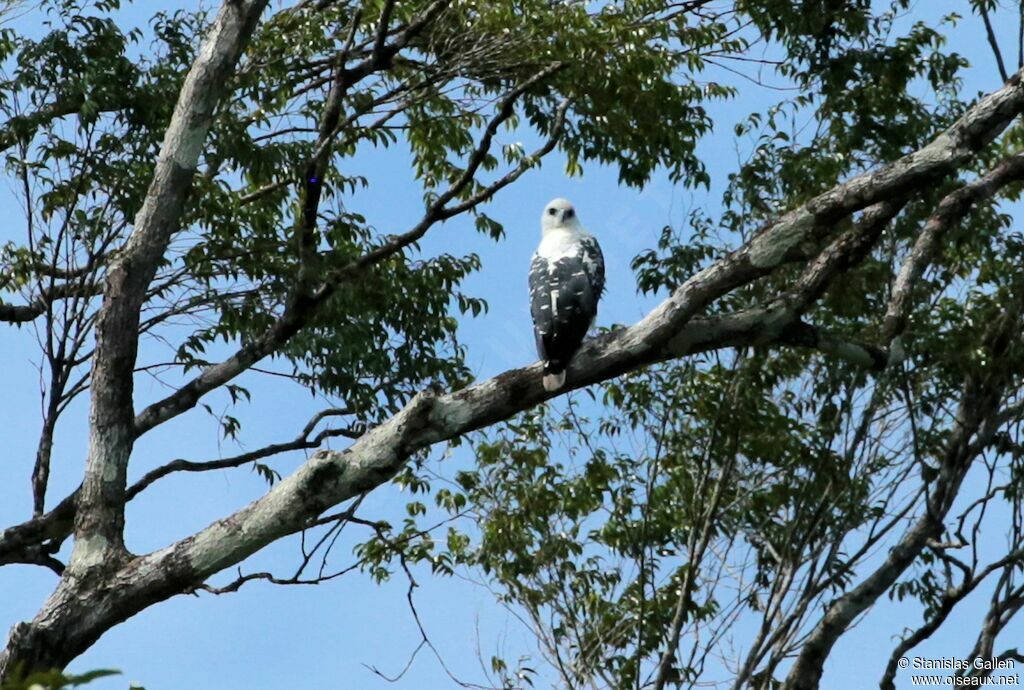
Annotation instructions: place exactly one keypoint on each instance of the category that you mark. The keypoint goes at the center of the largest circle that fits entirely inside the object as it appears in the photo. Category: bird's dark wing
(580, 280)
(593, 264)
(540, 302)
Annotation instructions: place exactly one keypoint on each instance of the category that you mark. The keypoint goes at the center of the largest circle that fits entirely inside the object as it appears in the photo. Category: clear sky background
(267, 637)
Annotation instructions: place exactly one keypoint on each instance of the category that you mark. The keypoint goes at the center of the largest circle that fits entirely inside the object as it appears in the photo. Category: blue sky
(266, 637)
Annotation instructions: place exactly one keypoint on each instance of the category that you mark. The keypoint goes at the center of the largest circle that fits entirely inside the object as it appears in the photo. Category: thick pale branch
(780, 320)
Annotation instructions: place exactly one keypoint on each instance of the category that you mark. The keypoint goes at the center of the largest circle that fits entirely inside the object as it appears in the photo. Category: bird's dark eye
(570, 213)
(551, 212)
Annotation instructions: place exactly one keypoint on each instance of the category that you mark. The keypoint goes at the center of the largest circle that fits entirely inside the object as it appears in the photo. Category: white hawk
(566, 281)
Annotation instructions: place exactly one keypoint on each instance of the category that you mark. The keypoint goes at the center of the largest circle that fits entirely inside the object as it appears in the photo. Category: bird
(566, 282)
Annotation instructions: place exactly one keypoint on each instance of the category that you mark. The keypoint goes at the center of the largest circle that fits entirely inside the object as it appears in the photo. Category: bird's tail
(554, 376)
(552, 382)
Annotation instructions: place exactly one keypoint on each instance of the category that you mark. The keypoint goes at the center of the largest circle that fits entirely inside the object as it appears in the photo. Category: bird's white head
(559, 214)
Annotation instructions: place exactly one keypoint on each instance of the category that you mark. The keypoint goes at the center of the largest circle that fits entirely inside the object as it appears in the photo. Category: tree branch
(300, 442)
(951, 210)
(21, 127)
(10, 313)
(993, 43)
(949, 601)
